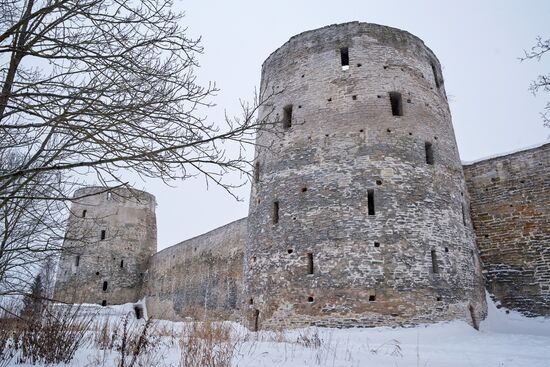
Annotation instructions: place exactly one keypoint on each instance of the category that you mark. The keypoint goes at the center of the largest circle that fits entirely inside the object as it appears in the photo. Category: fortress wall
(315, 254)
(106, 268)
(510, 209)
(358, 209)
(197, 276)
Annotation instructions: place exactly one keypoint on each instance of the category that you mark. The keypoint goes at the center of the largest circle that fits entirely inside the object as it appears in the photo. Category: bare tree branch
(542, 82)
(91, 90)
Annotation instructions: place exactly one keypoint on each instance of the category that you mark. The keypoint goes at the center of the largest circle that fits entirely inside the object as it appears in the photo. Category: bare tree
(106, 85)
(542, 82)
(97, 88)
(31, 229)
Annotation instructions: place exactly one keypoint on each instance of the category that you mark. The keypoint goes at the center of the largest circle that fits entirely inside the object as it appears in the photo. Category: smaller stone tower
(110, 238)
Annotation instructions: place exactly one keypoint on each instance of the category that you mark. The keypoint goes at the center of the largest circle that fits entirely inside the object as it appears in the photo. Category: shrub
(54, 336)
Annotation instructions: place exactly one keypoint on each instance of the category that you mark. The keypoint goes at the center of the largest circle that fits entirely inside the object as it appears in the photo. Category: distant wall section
(510, 201)
(199, 276)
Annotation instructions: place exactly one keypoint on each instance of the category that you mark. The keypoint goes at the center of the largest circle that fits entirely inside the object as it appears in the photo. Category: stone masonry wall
(511, 213)
(314, 254)
(361, 213)
(106, 268)
(198, 276)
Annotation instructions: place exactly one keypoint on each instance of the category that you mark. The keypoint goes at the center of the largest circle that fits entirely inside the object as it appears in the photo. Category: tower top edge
(93, 190)
(350, 29)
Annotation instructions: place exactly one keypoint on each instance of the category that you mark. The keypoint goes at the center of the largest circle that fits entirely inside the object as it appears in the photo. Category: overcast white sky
(477, 42)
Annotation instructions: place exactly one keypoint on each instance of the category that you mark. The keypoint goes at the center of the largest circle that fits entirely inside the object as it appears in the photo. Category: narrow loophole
(396, 104)
(370, 201)
(428, 149)
(256, 320)
(436, 76)
(310, 263)
(435, 268)
(287, 116)
(344, 58)
(257, 172)
(275, 212)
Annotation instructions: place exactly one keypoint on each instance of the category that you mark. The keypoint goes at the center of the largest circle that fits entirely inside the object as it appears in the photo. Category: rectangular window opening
(436, 78)
(275, 212)
(77, 260)
(344, 58)
(370, 201)
(138, 311)
(121, 263)
(429, 152)
(257, 172)
(435, 268)
(464, 221)
(310, 263)
(102, 234)
(105, 284)
(287, 116)
(396, 104)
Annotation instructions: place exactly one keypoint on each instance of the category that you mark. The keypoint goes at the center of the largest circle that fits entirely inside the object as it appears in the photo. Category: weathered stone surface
(311, 252)
(202, 275)
(511, 213)
(343, 142)
(89, 263)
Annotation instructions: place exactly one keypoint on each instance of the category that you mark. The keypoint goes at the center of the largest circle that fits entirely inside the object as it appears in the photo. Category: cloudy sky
(477, 42)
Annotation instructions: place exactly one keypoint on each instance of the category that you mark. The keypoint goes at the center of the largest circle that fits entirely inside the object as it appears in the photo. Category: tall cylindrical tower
(110, 238)
(358, 211)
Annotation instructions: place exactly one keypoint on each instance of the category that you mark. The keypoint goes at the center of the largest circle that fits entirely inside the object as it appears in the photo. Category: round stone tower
(110, 238)
(358, 211)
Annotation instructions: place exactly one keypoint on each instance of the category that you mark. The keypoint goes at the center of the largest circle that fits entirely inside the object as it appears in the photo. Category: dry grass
(51, 337)
(207, 344)
(10, 330)
(55, 336)
(135, 343)
(126, 342)
(309, 339)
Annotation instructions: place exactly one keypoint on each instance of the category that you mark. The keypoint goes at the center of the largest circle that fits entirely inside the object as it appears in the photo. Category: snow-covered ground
(504, 339)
